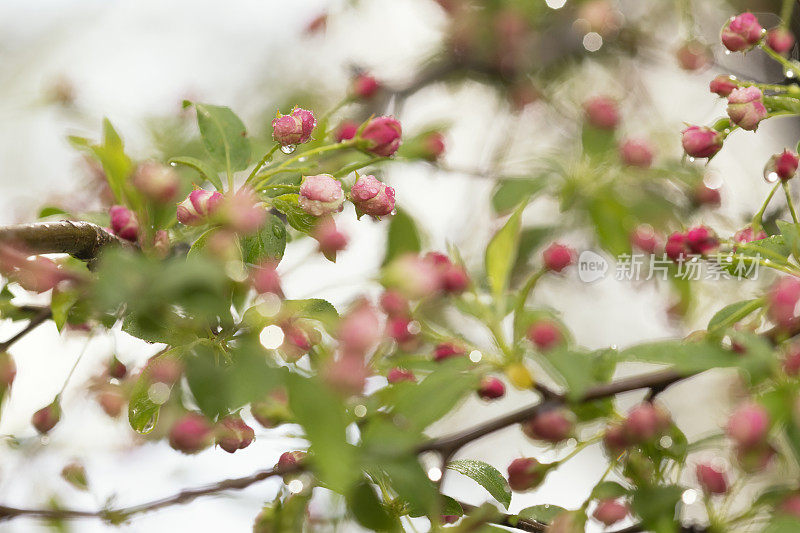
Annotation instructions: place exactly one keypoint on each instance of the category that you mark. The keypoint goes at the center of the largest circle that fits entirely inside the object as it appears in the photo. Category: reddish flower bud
(636, 153)
(393, 303)
(359, 329)
(741, 32)
(346, 130)
(791, 362)
(75, 475)
(790, 505)
(694, 55)
(746, 235)
(644, 238)
(157, 182)
(703, 195)
(317, 25)
(449, 518)
(400, 329)
(347, 375)
(645, 422)
(722, 85)
(321, 195)
(491, 388)
(413, 276)
(294, 128)
(446, 350)
(298, 339)
(8, 370)
(198, 206)
(676, 247)
(166, 370)
(551, 425)
(233, 434)
(46, 418)
(701, 240)
(712, 480)
(545, 334)
(331, 240)
(116, 369)
(242, 211)
(780, 39)
(784, 165)
(364, 86)
(602, 112)
(452, 278)
(381, 136)
(557, 257)
(432, 145)
(190, 434)
(39, 274)
(273, 411)
(701, 141)
(111, 400)
(525, 473)
(746, 107)
(161, 243)
(616, 439)
(124, 223)
(782, 301)
(288, 460)
(396, 375)
(748, 425)
(265, 279)
(610, 512)
(372, 197)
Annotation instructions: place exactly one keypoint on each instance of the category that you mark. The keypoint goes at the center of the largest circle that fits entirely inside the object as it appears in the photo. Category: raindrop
(691, 159)
(475, 356)
(288, 148)
(790, 74)
(295, 486)
(689, 496)
(665, 442)
(434, 474)
(271, 337)
(173, 164)
(158, 393)
(360, 411)
(727, 52)
(770, 175)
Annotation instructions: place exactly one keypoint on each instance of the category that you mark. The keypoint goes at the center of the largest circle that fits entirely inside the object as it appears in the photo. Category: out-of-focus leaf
(529, 240)
(224, 136)
(608, 490)
(60, 305)
(502, 252)
(656, 506)
(597, 143)
(608, 216)
(782, 524)
(289, 205)
(51, 211)
(426, 402)
(791, 236)
(205, 170)
(408, 479)
(111, 155)
(142, 411)
(486, 476)
(580, 370)
(733, 313)
(543, 514)
(368, 510)
(268, 243)
(402, 238)
(510, 192)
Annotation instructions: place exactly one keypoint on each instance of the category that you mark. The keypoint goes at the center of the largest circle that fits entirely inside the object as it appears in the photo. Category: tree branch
(41, 316)
(82, 240)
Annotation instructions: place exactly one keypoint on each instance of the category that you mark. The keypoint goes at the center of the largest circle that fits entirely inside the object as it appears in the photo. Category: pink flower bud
(791, 362)
(525, 473)
(39, 274)
(347, 375)
(784, 165)
(610, 512)
(645, 422)
(116, 369)
(446, 350)
(294, 128)
(157, 182)
(741, 32)
(693, 55)
(359, 329)
(602, 112)
(791, 505)
(46, 418)
(331, 240)
(782, 301)
(701, 141)
(198, 206)
(298, 339)
(273, 411)
(8, 370)
(382, 135)
(703, 195)
(756, 459)
(545, 334)
(124, 223)
(722, 85)
(780, 39)
(413, 277)
(491, 388)
(265, 279)
(676, 247)
(394, 304)
(557, 257)
(289, 460)
(636, 153)
(161, 243)
(372, 197)
(432, 145)
(712, 480)
(449, 518)
(616, 439)
(551, 425)
(644, 238)
(364, 86)
(111, 400)
(190, 434)
(746, 107)
(396, 375)
(346, 130)
(453, 278)
(748, 425)
(166, 370)
(233, 434)
(321, 195)
(701, 240)
(400, 329)
(746, 235)
(242, 211)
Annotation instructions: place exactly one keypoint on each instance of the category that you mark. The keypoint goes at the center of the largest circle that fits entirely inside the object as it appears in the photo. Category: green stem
(786, 12)
(74, 366)
(298, 157)
(356, 166)
(757, 218)
(526, 291)
(789, 201)
(343, 102)
(264, 160)
(780, 59)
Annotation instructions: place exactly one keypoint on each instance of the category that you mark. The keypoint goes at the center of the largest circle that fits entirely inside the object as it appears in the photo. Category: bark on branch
(82, 240)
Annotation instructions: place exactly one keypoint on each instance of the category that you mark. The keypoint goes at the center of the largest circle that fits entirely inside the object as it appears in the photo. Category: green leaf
(111, 155)
(684, 356)
(580, 370)
(51, 211)
(142, 411)
(510, 192)
(224, 137)
(597, 142)
(608, 490)
(783, 524)
(368, 510)
(402, 238)
(656, 506)
(289, 205)
(205, 170)
(409, 480)
(502, 253)
(426, 402)
(324, 420)
(60, 305)
(313, 308)
(733, 313)
(543, 514)
(791, 236)
(608, 216)
(486, 476)
(268, 243)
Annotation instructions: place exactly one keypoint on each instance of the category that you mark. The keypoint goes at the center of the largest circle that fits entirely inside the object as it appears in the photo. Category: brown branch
(40, 317)
(82, 240)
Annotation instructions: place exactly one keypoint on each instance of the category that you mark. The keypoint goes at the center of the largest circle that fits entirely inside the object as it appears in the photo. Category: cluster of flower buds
(372, 197)
(157, 182)
(198, 207)
(746, 107)
(644, 424)
(748, 428)
(416, 277)
(699, 240)
(551, 425)
(602, 112)
(636, 153)
(232, 434)
(741, 33)
(330, 239)
(782, 300)
(321, 195)
(124, 223)
(526, 473)
(783, 166)
(191, 434)
(294, 128)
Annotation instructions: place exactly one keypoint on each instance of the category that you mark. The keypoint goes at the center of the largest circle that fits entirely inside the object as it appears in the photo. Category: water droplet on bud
(288, 148)
(770, 175)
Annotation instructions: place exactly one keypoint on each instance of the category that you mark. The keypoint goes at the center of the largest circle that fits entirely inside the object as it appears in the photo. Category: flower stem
(786, 12)
(782, 60)
(298, 157)
(789, 201)
(757, 218)
(264, 160)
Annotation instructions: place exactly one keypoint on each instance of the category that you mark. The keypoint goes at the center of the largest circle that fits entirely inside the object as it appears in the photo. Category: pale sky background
(132, 59)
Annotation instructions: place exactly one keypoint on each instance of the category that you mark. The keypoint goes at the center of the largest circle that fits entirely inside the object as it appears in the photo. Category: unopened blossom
(382, 136)
(780, 39)
(741, 32)
(746, 107)
(321, 195)
(602, 112)
(294, 128)
(157, 182)
(722, 85)
(198, 207)
(701, 141)
(636, 153)
(372, 197)
(124, 223)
